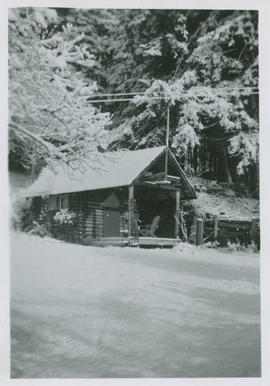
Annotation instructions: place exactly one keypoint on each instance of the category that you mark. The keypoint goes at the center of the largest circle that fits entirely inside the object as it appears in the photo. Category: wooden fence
(223, 229)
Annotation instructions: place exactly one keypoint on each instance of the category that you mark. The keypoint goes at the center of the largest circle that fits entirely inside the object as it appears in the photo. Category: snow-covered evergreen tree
(205, 63)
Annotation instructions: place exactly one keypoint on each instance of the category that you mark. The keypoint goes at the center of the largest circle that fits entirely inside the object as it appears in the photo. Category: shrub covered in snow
(38, 229)
(65, 225)
(237, 246)
(20, 217)
(65, 217)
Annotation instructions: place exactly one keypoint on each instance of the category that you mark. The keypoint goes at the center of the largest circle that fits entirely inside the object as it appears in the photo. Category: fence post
(199, 231)
(130, 210)
(253, 230)
(177, 213)
(215, 228)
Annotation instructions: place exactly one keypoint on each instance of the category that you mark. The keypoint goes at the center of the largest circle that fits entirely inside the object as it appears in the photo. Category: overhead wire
(161, 95)
(252, 91)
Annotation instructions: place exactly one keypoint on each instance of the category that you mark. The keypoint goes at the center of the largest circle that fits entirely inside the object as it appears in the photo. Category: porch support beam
(177, 213)
(154, 186)
(130, 209)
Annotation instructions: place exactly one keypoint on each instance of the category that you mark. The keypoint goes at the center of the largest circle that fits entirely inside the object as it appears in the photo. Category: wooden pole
(253, 230)
(215, 228)
(199, 231)
(130, 209)
(177, 210)
(167, 141)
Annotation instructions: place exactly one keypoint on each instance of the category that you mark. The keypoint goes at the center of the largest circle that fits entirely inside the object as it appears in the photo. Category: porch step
(136, 242)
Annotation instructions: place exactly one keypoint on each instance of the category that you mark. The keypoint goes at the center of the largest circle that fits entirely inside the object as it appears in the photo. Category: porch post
(130, 209)
(177, 213)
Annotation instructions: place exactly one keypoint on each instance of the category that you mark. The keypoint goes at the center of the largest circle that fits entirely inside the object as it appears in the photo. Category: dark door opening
(111, 223)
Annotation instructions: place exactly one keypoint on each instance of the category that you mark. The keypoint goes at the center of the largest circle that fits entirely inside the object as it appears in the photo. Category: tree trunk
(226, 163)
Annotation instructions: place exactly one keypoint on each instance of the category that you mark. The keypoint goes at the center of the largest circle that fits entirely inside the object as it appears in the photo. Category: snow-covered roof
(119, 168)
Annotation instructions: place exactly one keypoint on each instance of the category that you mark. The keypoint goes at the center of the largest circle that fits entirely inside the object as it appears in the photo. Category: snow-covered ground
(80, 311)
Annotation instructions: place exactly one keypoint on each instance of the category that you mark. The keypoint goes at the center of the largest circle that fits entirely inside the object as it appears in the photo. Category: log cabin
(133, 198)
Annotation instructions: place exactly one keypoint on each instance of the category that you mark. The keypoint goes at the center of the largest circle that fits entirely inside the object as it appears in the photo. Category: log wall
(89, 207)
(36, 207)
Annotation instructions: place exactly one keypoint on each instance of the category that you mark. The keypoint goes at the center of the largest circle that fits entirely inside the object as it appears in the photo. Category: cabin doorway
(111, 223)
(111, 216)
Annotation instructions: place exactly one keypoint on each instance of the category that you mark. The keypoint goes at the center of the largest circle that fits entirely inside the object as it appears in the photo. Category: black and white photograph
(133, 166)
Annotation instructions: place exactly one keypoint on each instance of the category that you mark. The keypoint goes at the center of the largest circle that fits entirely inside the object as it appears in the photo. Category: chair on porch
(150, 229)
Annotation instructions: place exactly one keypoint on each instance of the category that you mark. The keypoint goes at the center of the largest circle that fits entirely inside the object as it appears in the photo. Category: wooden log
(96, 218)
(89, 227)
(232, 224)
(234, 221)
(199, 231)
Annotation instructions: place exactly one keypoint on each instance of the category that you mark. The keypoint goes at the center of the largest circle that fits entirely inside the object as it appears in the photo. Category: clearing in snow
(80, 311)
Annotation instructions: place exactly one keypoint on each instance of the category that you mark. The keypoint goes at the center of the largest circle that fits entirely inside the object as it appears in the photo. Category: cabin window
(64, 201)
(57, 202)
(53, 202)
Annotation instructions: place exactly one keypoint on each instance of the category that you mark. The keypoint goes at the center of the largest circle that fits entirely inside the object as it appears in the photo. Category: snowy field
(80, 311)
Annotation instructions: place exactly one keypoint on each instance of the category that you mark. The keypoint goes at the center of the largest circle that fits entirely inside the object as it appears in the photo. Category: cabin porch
(125, 216)
(153, 211)
(142, 214)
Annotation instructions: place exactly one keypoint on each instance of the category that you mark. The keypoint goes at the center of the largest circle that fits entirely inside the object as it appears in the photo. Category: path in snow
(79, 311)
